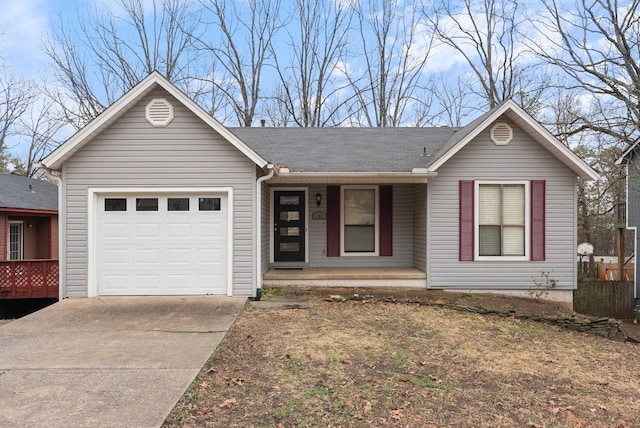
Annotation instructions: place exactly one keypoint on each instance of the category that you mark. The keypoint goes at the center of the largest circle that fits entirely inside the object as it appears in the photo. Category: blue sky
(25, 23)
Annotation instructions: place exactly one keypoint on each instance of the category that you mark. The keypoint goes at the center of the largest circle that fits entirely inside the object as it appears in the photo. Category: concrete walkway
(107, 362)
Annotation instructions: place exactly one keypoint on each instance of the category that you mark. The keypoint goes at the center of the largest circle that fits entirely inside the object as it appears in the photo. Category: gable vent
(159, 112)
(501, 134)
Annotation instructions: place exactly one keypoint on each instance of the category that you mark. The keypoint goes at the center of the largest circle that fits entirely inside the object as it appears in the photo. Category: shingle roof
(347, 149)
(16, 193)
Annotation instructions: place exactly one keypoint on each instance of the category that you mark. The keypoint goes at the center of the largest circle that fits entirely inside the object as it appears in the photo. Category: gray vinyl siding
(420, 226)
(402, 232)
(521, 159)
(633, 209)
(131, 153)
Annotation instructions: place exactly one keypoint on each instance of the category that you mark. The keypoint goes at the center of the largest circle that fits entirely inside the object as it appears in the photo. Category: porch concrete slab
(109, 362)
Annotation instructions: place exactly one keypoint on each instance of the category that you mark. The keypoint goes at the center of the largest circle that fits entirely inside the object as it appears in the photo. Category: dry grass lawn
(380, 364)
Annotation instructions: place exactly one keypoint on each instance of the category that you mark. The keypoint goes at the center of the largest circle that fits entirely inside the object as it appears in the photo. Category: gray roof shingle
(16, 193)
(347, 149)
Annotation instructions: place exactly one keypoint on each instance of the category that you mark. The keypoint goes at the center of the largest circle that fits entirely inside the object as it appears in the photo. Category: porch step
(364, 277)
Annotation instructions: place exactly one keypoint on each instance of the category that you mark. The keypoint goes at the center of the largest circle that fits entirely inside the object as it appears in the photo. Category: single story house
(28, 238)
(631, 159)
(159, 198)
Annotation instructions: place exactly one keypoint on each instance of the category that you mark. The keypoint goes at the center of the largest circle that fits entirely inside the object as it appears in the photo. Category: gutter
(258, 217)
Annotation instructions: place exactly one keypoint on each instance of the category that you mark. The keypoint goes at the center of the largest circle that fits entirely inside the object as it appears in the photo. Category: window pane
(146, 204)
(15, 241)
(359, 239)
(489, 240)
(209, 204)
(513, 204)
(359, 206)
(290, 200)
(489, 204)
(115, 204)
(513, 241)
(289, 231)
(289, 247)
(177, 204)
(289, 215)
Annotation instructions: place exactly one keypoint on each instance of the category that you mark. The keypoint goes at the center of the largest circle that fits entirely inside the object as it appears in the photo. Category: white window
(360, 225)
(502, 220)
(16, 240)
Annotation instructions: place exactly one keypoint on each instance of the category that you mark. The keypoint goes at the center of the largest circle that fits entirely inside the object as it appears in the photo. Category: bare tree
(105, 53)
(241, 46)
(486, 35)
(596, 44)
(395, 49)
(15, 98)
(454, 106)
(317, 42)
(40, 134)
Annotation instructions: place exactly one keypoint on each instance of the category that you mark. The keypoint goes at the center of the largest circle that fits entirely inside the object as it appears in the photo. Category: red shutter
(537, 220)
(466, 220)
(386, 220)
(333, 221)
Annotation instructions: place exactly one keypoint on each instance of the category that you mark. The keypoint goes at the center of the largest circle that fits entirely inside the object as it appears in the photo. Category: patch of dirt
(372, 362)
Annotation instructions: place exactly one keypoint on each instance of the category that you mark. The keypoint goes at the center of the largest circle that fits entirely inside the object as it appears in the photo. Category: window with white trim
(360, 220)
(16, 241)
(502, 220)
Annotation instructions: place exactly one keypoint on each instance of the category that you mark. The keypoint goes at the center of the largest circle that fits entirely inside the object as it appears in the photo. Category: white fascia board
(352, 177)
(55, 159)
(543, 136)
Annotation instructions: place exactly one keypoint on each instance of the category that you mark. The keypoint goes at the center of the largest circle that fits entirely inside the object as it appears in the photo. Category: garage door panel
(161, 252)
(148, 256)
(147, 230)
(116, 231)
(179, 230)
(117, 257)
(148, 282)
(210, 256)
(179, 256)
(210, 230)
(115, 283)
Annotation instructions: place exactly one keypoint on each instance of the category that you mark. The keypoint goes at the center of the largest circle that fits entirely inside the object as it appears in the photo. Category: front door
(289, 225)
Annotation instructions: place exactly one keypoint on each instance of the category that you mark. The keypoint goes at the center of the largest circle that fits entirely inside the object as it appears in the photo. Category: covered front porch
(356, 231)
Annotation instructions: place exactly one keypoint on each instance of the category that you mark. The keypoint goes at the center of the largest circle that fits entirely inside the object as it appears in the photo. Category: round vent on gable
(501, 134)
(159, 112)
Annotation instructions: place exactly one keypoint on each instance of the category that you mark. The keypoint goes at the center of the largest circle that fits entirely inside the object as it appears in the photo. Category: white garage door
(170, 244)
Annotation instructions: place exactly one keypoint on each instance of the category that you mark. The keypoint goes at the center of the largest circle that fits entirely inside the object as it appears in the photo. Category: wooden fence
(604, 298)
(605, 271)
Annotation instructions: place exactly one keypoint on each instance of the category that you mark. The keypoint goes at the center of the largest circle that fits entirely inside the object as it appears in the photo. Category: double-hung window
(360, 220)
(502, 220)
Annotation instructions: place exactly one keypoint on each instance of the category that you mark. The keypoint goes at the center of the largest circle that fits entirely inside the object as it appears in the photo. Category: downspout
(48, 172)
(259, 229)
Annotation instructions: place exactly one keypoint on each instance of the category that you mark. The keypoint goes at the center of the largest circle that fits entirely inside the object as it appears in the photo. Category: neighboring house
(631, 159)
(28, 237)
(160, 198)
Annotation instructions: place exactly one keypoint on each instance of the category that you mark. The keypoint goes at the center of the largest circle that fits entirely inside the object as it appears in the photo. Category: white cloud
(23, 23)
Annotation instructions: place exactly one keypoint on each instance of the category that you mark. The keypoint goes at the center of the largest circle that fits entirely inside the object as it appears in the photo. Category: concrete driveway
(107, 362)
